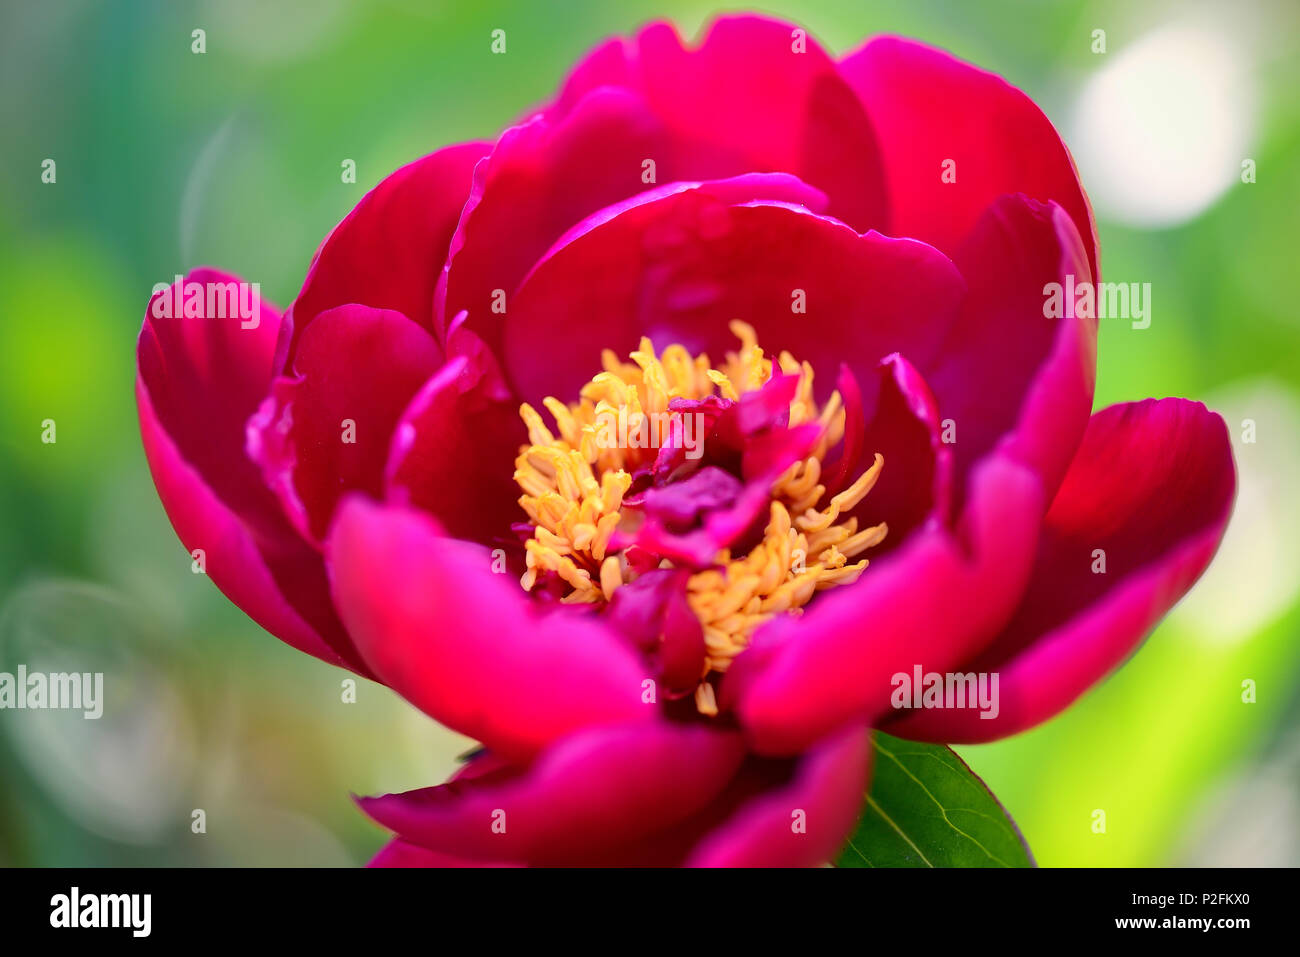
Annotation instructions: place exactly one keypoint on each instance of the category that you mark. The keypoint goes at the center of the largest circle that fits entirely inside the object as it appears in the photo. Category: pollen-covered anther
(574, 480)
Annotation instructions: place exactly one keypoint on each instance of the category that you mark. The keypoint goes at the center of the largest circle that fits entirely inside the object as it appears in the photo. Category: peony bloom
(648, 443)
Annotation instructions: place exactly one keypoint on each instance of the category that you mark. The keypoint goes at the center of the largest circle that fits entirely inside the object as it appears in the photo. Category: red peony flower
(649, 444)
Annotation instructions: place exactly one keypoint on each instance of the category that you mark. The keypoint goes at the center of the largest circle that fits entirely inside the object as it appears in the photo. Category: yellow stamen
(574, 478)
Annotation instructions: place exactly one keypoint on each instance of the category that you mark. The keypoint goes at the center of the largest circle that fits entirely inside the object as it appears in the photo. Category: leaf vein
(890, 821)
(942, 810)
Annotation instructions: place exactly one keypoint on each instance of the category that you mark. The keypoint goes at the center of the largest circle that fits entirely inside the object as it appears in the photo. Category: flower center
(666, 462)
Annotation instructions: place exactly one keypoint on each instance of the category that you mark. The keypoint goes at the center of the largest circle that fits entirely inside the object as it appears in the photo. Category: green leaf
(926, 808)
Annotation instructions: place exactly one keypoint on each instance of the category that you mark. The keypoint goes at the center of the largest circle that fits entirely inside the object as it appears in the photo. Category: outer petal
(399, 853)
(541, 178)
(389, 251)
(199, 379)
(1007, 376)
(326, 429)
(931, 603)
(587, 797)
(802, 824)
(1152, 487)
(679, 267)
(467, 646)
(757, 95)
(928, 107)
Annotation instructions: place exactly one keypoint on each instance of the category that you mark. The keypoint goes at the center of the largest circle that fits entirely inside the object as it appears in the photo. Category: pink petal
(932, 603)
(466, 645)
(199, 379)
(453, 454)
(541, 178)
(388, 252)
(1007, 376)
(586, 797)
(928, 107)
(679, 267)
(399, 853)
(325, 430)
(915, 485)
(653, 612)
(844, 465)
(756, 95)
(686, 500)
(1152, 487)
(804, 823)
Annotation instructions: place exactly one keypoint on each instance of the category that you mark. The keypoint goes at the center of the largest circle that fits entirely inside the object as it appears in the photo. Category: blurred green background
(167, 160)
